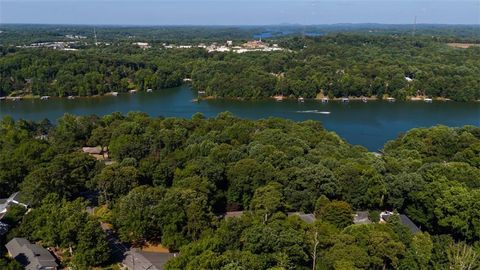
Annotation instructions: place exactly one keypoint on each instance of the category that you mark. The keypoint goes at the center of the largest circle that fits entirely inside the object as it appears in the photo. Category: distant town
(228, 46)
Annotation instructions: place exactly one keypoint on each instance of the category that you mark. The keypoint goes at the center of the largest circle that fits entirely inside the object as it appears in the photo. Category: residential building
(31, 256)
(404, 219)
(146, 260)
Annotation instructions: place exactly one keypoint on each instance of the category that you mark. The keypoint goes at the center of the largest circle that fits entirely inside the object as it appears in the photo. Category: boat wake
(314, 111)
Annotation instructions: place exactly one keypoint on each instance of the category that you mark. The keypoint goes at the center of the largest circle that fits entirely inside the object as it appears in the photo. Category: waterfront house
(31, 256)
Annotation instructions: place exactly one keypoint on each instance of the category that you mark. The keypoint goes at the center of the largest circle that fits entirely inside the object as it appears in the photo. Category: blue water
(369, 124)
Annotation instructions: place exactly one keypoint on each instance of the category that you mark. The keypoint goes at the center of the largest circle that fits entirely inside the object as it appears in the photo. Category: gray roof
(308, 218)
(31, 256)
(361, 217)
(406, 221)
(143, 260)
(409, 223)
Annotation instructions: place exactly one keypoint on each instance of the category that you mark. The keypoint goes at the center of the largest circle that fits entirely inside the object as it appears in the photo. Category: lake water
(369, 124)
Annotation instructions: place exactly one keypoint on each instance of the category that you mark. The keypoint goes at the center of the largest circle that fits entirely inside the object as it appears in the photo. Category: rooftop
(31, 256)
(361, 217)
(145, 260)
(308, 218)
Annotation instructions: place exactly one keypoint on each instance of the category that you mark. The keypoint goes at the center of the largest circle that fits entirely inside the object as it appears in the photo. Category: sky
(238, 12)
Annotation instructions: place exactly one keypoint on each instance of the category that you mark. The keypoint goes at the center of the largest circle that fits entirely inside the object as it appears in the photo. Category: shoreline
(202, 97)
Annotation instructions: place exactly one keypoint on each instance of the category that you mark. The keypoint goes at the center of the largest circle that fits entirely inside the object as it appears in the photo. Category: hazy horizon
(237, 12)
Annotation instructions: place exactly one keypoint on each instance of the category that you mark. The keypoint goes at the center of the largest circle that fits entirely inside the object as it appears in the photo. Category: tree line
(171, 180)
(336, 65)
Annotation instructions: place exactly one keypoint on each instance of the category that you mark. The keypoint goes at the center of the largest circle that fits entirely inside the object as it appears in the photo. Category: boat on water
(114, 94)
(345, 100)
(325, 100)
(70, 97)
(391, 99)
(314, 111)
(132, 91)
(44, 97)
(149, 90)
(278, 98)
(3, 98)
(364, 100)
(428, 100)
(301, 99)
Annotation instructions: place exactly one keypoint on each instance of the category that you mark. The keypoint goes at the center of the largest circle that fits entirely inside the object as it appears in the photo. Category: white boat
(364, 100)
(132, 91)
(149, 90)
(390, 99)
(114, 94)
(428, 100)
(3, 98)
(301, 99)
(44, 97)
(345, 100)
(314, 111)
(71, 97)
(325, 100)
(278, 98)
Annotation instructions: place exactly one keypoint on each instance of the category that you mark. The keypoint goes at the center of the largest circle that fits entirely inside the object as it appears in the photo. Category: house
(142, 45)
(404, 220)
(308, 218)
(31, 256)
(6, 203)
(361, 217)
(97, 152)
(142, 260)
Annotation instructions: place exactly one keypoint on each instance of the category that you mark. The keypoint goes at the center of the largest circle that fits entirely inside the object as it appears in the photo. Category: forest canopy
(334, 65)
(171, 181)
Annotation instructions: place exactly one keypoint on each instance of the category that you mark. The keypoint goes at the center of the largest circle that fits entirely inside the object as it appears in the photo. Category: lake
(368, 124)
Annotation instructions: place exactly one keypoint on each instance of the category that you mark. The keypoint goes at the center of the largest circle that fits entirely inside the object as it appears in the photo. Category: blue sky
(238, 12)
